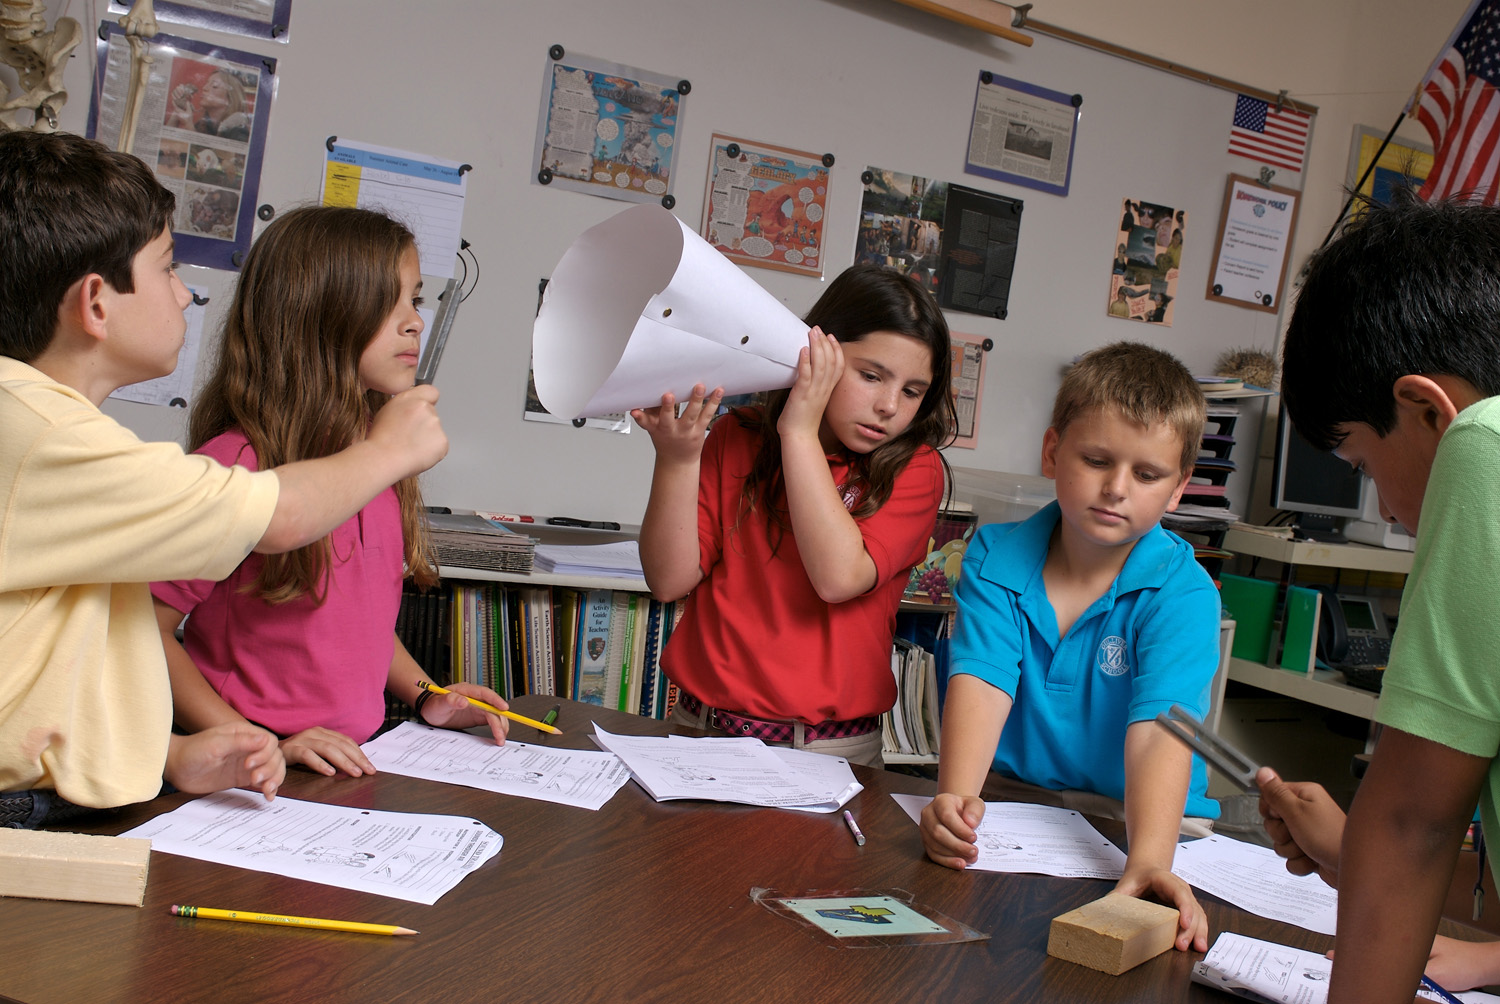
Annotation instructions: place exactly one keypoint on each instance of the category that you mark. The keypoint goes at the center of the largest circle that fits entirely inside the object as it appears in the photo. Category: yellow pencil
(271, 918)
(492, 709)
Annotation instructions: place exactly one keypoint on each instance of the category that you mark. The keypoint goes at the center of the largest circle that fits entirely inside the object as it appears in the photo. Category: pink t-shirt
(296, 665)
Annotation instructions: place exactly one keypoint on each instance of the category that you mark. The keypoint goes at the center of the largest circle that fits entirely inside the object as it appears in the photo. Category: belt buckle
(713, 718)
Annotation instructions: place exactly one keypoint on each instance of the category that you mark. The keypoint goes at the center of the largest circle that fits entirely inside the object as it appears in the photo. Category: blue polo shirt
(1151, 641)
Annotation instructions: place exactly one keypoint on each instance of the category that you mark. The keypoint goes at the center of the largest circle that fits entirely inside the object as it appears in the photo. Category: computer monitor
(1317, 486)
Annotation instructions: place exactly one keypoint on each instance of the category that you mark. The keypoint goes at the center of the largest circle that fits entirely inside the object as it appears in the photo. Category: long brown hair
(316, 288)
(863, 299)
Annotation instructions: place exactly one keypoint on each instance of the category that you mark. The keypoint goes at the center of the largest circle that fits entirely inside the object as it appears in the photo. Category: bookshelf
(1323, 688)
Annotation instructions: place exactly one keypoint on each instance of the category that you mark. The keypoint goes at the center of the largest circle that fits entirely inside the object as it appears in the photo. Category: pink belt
(774, 731)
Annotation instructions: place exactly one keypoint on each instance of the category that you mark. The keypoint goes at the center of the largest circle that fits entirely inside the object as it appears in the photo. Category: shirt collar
(1017, 555)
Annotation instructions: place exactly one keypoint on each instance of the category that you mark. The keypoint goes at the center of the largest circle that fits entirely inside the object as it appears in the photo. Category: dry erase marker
(586, 524)
(859, 837)
(492, 709)
(246, 917)
(510, 517)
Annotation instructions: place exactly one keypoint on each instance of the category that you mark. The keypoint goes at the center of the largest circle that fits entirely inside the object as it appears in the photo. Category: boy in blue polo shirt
(1077, 626)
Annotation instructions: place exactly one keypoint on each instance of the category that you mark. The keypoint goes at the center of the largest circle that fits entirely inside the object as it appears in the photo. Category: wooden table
(638, 902)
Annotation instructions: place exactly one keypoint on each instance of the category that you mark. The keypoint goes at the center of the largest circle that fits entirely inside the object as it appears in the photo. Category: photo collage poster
(959, 243)
(1148, 256)
(201, 127)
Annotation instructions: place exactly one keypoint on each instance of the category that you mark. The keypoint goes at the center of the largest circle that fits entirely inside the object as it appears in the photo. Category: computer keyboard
(1364, 677)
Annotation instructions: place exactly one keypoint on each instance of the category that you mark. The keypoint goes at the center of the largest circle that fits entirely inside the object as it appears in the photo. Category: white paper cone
(640, 305)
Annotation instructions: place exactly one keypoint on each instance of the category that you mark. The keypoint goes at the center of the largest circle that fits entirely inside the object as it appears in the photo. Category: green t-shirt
(1443, 681)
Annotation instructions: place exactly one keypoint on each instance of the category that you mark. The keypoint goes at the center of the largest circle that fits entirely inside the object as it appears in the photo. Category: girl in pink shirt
(323, 329)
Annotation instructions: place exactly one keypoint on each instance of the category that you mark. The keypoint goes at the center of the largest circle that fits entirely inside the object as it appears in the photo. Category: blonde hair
(1143, 383)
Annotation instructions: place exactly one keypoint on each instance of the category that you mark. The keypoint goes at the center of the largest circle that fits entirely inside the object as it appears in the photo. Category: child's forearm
(974, 715)
(669, 530)
(195, 704)
(318, 495)
(1396, 864)
(405, 672)
(1158, 770)
(828, 538)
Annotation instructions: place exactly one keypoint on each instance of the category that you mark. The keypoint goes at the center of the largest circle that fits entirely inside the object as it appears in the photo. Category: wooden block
(39, 864)
(1113, 934)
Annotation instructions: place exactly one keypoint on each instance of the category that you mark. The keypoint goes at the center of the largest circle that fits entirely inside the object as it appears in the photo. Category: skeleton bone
(38, 56)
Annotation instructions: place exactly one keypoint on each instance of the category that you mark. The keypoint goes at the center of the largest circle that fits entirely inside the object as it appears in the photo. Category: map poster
(765, 205)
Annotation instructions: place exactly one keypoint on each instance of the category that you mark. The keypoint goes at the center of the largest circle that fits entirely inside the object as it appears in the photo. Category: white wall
(872, 81)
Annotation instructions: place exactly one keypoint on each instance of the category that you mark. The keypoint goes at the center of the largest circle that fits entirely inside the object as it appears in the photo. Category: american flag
(1459, 105)
(1263, 134)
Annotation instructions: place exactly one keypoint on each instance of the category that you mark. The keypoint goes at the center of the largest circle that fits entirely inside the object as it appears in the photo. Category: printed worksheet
(1265, 971)
(405, 855)
(584, 778)
(743, 770)
(1253, 878)
(815, 771)
(1040, 839)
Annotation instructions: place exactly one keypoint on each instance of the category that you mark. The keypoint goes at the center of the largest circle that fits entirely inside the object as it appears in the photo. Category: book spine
(593, 647)
(622, 701)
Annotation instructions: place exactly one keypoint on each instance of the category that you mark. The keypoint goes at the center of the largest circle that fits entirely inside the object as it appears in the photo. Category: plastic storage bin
(1002, 497)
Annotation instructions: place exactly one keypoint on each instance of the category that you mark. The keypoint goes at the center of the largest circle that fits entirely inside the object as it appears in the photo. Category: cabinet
(1322, 687)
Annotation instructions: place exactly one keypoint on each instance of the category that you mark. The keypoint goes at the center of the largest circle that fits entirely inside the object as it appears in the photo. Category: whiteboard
(875, 83)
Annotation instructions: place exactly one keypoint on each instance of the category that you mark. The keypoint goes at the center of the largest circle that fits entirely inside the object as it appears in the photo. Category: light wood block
(1113, 934)
(38, 864)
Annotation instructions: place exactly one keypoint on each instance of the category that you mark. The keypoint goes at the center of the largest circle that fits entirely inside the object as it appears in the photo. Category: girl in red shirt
(791, 528)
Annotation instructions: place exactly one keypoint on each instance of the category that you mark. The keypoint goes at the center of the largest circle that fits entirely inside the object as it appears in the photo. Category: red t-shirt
(755, 637)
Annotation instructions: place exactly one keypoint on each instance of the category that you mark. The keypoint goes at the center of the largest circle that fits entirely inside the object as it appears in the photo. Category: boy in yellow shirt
(89, 302)
(1078, 626)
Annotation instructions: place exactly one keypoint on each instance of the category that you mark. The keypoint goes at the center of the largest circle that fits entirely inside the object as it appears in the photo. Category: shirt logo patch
(1112, 661)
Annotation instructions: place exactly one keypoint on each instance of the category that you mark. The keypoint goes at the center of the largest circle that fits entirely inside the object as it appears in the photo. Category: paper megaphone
(640, 305)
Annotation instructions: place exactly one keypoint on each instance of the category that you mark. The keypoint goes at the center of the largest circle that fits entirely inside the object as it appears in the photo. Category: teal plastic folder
(1299, 648)
(1252, 604)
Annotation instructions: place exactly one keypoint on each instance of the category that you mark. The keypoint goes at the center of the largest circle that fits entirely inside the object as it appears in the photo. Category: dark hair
(69, 207)
(317, 286)
(1406, 287)
(864, 299)
(1144, 383)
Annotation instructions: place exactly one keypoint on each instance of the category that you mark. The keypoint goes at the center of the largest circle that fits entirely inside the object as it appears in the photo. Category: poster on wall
(1400, 163)
(1148, 257)
(967, 380)
(1023, 134)
(960, 243)
(1255, 234)
(425, 193)
(606, 129)
(765, 205)
(251, 18)
(201, 127)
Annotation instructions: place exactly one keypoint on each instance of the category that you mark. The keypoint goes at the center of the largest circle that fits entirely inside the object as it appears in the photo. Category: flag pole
(1369, 169)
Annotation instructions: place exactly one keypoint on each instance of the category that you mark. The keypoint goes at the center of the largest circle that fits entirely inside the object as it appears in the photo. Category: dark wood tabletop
(640, 902)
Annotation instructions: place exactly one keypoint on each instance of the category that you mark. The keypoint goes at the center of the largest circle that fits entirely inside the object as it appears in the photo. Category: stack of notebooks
(475, 542)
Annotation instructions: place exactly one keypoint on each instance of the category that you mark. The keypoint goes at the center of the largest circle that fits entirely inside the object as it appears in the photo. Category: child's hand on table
(950, 827)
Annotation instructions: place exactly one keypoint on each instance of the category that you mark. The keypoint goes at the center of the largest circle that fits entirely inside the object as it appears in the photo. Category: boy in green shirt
(1392, 361)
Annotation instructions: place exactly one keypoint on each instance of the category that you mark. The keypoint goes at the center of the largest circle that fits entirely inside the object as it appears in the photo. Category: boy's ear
(1434, 402)
(85, 307)
(1050, 439)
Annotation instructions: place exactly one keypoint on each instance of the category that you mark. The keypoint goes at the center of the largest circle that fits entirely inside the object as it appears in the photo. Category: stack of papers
(1037, 839)
(620, 559)
(743, 770)
(475, 542)
(1265, 971)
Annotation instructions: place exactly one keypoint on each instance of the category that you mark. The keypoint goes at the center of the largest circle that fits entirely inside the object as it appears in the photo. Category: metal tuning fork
(1225, 758)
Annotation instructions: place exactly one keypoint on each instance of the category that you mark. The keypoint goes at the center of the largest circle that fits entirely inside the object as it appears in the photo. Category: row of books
(599, 646)
(911, 727)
